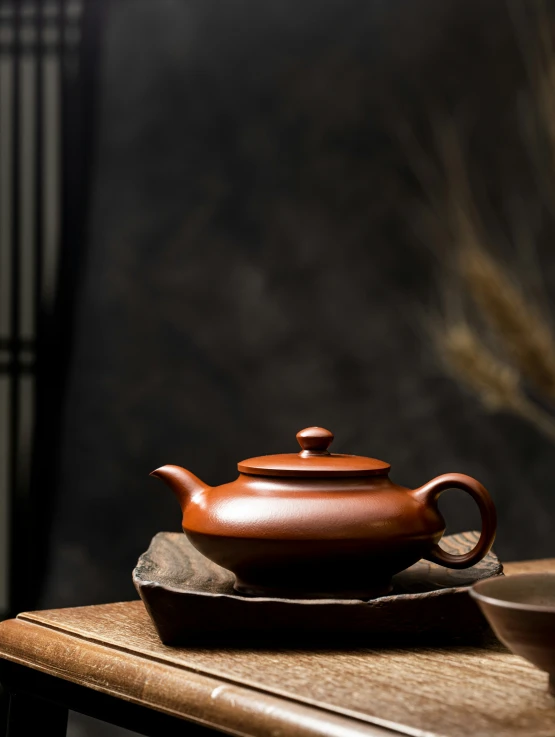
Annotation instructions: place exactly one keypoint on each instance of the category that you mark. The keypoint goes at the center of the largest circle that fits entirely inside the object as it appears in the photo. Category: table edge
(228, 706)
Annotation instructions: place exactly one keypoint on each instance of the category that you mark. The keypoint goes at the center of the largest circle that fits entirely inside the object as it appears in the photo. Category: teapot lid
(314, 460)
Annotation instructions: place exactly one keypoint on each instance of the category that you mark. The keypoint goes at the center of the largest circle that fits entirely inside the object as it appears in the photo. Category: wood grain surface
(428, 692)
(191, 600)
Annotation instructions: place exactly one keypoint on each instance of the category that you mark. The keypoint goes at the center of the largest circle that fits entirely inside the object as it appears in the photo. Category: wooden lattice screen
(45, 125)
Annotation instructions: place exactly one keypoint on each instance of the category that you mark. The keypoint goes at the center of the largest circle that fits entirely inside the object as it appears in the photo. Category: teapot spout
(183, 483)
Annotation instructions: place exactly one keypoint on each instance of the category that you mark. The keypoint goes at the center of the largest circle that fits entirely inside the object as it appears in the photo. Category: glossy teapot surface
(317, 524)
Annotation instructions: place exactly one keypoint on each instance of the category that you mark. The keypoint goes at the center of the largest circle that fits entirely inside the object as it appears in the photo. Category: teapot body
(312, 538)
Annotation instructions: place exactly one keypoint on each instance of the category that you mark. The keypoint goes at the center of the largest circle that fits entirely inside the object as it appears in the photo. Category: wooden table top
(425, 692)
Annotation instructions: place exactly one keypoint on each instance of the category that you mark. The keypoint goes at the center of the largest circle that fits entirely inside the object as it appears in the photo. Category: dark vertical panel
(17, 547)
(51, 356)
(40, 184)
(51, 150)
(6, 61)
(25, 125)
(28, 224)
(76, 43)
(35, 540)
(40, 486)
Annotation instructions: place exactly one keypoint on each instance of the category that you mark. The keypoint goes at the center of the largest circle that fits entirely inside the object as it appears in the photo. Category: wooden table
(106, 661)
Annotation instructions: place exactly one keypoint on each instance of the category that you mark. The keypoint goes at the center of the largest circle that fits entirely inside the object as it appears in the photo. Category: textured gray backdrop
(253, 265)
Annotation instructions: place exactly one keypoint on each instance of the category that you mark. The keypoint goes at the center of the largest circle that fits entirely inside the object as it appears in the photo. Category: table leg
(30, 716)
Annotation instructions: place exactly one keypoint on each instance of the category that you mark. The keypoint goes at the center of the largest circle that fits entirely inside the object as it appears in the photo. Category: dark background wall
(254, 263)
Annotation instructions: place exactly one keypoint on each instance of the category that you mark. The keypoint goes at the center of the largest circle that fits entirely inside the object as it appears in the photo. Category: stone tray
(191, 601)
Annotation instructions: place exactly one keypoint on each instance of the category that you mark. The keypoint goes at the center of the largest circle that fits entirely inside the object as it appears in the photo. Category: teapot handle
(429, 494)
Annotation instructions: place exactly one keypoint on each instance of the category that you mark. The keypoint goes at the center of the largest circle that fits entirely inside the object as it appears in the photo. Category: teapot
(317, 524)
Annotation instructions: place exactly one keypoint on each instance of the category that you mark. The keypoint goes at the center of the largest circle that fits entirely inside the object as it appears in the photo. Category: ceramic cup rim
(500, 602)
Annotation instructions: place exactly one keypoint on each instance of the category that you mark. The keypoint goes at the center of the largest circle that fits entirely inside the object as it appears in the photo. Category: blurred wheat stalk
(493, 337)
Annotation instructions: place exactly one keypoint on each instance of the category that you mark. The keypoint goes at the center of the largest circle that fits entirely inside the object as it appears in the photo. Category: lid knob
(314, 441)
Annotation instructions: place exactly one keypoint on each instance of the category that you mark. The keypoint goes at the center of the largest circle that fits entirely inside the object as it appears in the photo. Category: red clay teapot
(317, 524)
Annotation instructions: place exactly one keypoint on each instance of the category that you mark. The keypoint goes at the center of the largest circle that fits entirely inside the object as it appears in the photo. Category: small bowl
(521, 612)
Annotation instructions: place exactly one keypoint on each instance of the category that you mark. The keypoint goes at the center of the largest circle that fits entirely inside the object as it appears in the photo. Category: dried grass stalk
(497, 383)
(522, 330)
(546, 102)
(525, 334)
(474, 365)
